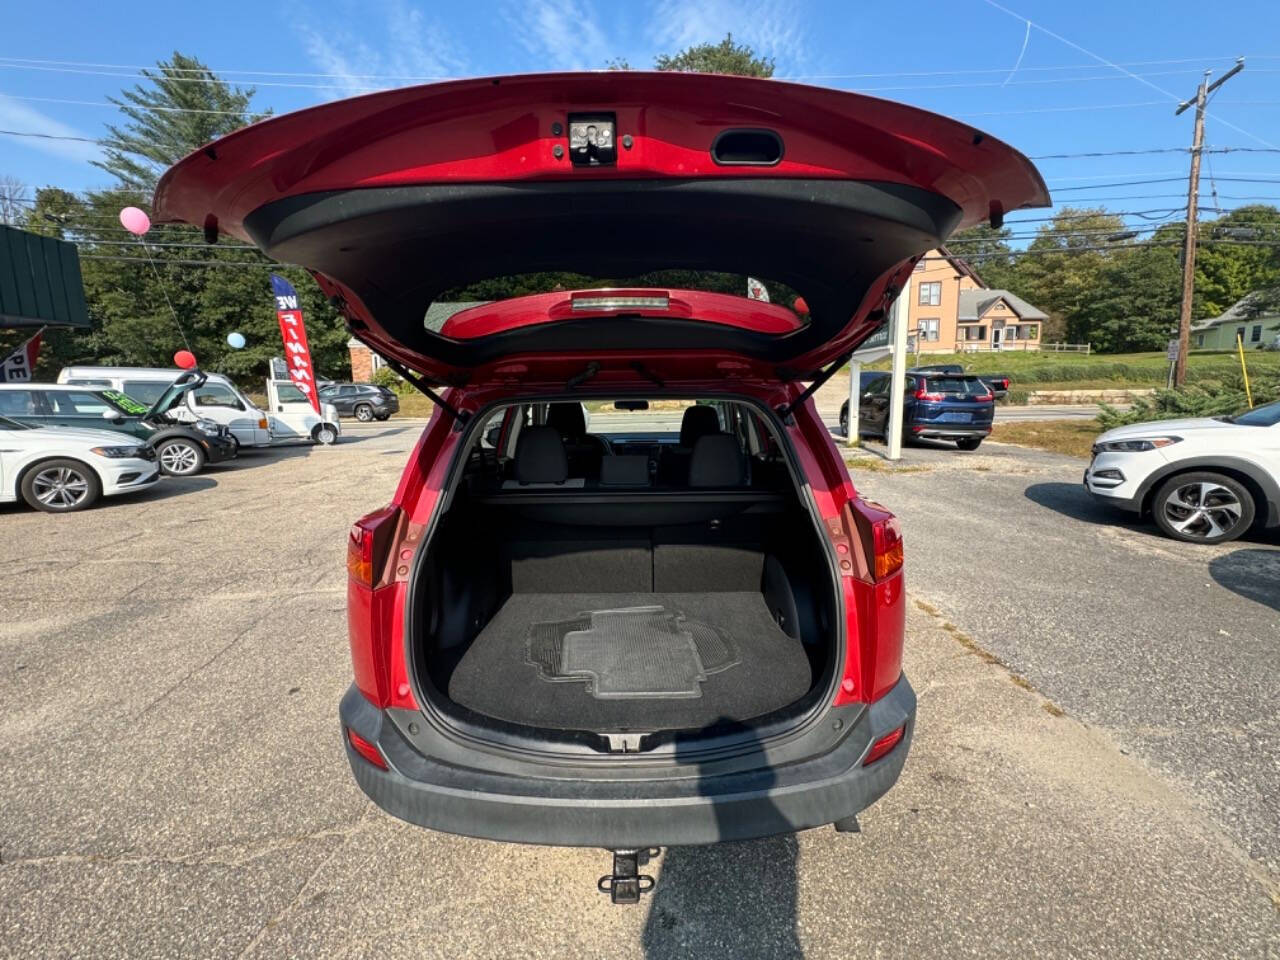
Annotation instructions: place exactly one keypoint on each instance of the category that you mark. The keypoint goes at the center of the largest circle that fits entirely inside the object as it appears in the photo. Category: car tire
(60, 486)
(325, 434)
(364, 412)
(844, 419)
(969, 443)
(180, 457)
(1203, 507)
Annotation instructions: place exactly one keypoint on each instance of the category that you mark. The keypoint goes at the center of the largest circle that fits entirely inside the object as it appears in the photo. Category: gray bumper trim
(637, 812)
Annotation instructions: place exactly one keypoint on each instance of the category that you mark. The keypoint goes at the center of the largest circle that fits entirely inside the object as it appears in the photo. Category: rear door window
(216, 395)
(76, 403)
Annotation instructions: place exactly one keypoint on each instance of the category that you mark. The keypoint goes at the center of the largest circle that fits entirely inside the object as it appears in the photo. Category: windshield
(1265, 416)
(146, 392)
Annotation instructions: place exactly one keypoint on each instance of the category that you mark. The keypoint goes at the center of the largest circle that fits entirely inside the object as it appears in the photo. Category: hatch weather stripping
(593, 139)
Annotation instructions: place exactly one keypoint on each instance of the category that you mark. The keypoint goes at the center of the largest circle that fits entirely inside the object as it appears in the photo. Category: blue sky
(956, 57)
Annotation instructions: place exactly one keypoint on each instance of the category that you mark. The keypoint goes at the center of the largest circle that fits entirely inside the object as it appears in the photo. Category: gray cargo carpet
(546, 660)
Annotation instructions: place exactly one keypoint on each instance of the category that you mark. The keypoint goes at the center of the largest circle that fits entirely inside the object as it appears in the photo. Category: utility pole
(1193, 194)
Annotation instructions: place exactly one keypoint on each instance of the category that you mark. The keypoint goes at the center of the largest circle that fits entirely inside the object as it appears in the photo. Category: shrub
(386, 377)
(1203, 398)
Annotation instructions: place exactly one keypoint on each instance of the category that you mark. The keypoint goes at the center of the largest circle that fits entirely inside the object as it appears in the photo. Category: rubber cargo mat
(630, 652)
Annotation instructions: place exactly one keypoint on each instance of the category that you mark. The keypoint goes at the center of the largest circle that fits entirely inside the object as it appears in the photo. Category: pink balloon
(135, 221)
(184, 358)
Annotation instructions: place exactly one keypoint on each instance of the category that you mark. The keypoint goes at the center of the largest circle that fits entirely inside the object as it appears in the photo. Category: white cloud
(562, 34)
(772, 28)
(20, 117)
(409, 49)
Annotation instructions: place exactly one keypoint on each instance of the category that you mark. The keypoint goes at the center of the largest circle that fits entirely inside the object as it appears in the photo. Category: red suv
(581, 621)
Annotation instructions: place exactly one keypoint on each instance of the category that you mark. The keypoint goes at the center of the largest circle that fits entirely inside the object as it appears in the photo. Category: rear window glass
(963, 386)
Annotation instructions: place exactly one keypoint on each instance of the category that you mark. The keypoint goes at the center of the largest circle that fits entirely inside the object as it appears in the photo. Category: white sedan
(59, 469)
(1206, 480)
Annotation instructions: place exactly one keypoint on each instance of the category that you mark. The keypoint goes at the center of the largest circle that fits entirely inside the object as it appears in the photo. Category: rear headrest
(567, 418)
(698, 422)
(717, 461)
(540, 456)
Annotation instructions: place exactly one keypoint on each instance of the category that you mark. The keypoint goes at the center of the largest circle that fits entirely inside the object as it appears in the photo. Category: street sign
(1172, 354)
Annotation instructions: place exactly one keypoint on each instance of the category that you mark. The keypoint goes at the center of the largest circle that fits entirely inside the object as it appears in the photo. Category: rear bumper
(479, 801)
(949, 431)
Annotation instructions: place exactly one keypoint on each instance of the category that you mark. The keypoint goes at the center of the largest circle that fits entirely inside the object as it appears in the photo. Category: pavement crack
(192, 672)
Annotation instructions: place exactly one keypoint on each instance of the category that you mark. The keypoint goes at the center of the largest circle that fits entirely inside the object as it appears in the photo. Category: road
(173, 783)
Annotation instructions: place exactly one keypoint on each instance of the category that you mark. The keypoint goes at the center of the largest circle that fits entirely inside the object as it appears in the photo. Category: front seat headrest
(567, 418)
(698, 422)
(717, 461)
(540, 456)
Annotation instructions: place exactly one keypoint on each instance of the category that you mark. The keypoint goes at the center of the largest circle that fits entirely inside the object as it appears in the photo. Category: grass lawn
(1031, 370)
(1072, 437)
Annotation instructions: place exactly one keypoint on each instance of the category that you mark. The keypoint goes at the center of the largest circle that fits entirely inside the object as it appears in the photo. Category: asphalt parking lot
(1094, 769)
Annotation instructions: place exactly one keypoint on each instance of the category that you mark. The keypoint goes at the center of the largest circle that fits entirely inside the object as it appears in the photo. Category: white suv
(1205, 481)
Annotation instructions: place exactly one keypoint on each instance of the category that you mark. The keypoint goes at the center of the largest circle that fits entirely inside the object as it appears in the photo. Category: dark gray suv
(364, 401)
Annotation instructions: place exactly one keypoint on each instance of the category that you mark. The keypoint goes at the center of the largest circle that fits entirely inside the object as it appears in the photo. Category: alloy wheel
(1203, 510)
(60, 487)
(179, 458)
(364, 413)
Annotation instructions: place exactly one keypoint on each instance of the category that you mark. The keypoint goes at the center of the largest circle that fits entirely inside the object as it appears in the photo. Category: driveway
(173, 782)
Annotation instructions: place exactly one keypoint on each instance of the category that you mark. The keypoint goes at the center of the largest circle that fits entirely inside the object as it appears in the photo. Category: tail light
(371, 753)
(884, 746)
(876, 610)
(368, 545)
(924, 394)
(886, 536)
(369, 607)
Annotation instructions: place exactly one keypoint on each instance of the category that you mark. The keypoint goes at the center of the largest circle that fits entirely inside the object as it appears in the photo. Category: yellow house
(950, 310)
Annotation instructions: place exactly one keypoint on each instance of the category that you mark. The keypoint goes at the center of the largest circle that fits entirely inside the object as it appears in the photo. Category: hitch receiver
(626, 883)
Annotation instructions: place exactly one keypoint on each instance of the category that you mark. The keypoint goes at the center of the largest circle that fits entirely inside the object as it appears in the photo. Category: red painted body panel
(539, 308)
(502, 130)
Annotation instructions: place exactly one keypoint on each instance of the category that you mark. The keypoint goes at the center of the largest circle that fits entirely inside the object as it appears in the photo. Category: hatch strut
(462, 416)
(787, 409)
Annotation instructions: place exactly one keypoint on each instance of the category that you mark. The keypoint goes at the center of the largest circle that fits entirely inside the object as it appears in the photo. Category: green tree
(1227, 270)
(1061, 271)
(134, 291)
(987, 250)
(728, 57)
(181, 106)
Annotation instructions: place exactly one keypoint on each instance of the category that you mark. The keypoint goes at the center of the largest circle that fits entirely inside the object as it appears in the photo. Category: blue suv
(952, 406)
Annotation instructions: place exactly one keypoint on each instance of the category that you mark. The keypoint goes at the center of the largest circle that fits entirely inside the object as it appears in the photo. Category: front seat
(583, 450)
(698, 421)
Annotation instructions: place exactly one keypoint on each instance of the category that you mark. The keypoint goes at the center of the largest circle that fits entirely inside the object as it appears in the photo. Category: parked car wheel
(844, 418)
(364, 412)
(969, 443)
(325, 434)
(1203, 508)
(60, 486)
(180, 457)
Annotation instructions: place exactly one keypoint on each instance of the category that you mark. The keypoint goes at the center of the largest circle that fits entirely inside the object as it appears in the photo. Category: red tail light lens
(887, 543)
(368, 543)
(884, 746)
(988, 397)
(923, 394)
(367, 750)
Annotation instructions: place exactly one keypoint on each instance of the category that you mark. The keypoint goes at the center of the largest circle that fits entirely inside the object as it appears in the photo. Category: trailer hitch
(626, 883)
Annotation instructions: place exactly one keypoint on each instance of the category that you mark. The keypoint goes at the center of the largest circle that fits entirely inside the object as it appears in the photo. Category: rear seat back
(717, 461)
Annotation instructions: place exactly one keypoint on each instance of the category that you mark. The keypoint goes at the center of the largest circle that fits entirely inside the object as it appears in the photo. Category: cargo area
(671, 597)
